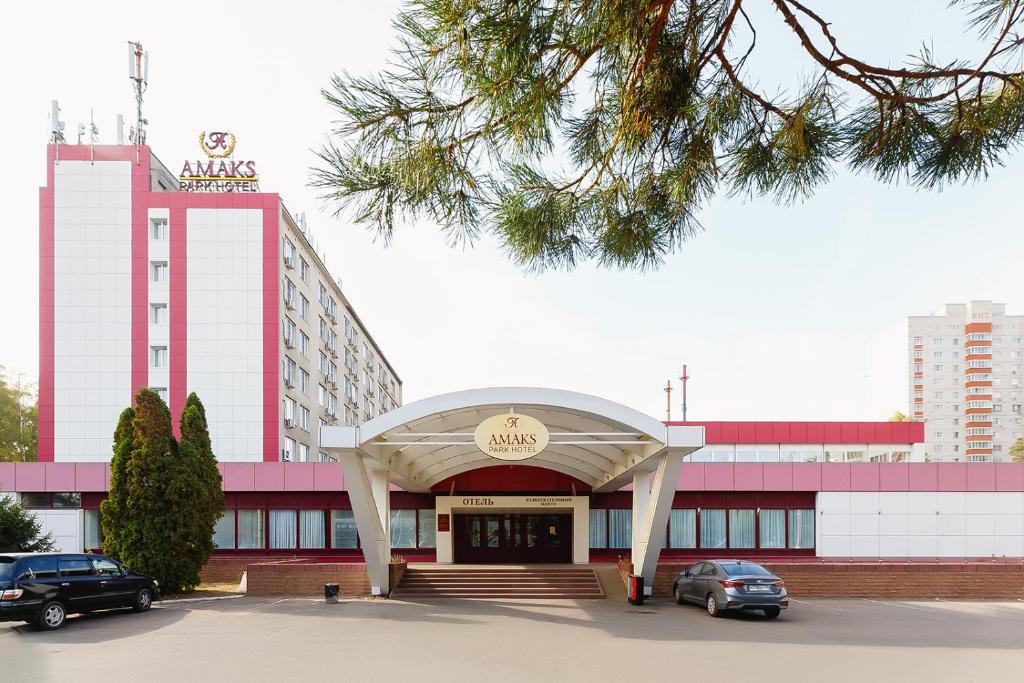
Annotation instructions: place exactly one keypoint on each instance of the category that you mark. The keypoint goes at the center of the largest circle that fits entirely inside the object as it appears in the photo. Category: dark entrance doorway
(511, 538)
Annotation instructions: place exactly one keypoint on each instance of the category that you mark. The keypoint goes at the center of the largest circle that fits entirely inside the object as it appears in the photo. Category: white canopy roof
(599, 442)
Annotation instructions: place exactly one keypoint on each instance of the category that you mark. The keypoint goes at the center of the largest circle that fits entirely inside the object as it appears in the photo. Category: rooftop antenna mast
(668, 400)
(683, 378)
(138, 73)
(56, 128)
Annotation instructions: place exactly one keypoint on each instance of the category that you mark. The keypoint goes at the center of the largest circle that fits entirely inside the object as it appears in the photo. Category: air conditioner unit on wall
(289, 422)
(290, 383)
(289, 262)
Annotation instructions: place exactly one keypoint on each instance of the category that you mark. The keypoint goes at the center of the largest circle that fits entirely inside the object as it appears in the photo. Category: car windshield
(6, 567)
(744, 569)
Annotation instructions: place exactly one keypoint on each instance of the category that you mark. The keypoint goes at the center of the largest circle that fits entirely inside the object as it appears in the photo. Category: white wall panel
(92, 305)
(944, 524)
(225, 327)
(66, 527)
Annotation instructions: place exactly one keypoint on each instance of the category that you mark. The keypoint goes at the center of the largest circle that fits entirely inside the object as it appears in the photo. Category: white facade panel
(944, 524)
(225, 327)
(92, 315)
(66, 527)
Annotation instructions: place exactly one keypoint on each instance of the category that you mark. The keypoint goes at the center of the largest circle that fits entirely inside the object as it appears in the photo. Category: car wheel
(713, 609)
(143, 600)
(51, 617)
(772, 612)
(677, 593)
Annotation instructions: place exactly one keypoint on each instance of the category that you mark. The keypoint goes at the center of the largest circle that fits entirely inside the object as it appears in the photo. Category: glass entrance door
(509, 538)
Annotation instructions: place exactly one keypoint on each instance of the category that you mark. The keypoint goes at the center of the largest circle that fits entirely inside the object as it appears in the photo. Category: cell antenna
(138, 73)
(56, 125)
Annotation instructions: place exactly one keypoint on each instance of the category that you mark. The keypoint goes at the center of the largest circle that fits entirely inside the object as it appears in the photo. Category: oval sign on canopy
(511, 436)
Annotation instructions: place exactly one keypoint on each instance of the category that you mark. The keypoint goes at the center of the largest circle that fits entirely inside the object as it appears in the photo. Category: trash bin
(635, 590)
(331, 593)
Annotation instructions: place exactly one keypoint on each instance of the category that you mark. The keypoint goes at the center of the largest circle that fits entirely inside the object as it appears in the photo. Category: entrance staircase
(481, 581)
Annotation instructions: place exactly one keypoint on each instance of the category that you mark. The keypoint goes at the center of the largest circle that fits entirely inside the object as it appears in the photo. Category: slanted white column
(654, 498)
(370, 514)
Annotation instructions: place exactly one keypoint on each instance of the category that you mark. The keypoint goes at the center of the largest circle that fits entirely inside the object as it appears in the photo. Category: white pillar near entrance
(370, 498)
(652, 501)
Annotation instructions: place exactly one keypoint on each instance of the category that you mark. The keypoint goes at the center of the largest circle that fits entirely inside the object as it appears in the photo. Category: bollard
(331, 593)
(635, 590)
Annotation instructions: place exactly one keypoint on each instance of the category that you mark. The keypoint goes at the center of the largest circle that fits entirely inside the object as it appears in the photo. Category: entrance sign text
(219, 172)
(511, 436)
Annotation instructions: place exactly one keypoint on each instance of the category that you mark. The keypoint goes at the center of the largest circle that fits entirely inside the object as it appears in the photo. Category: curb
(167, 603)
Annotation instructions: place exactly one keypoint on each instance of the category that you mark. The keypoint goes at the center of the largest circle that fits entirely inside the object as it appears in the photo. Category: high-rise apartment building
(196, 283)
(966, 372)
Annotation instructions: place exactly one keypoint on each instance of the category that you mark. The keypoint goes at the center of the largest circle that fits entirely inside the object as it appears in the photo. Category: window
(158, 356)
(620, 528)
(304, 418)
(427, 528)
(289, 331)
(93, 530)
(304, 271)
(303, 453)
(289, 251)
(403, 528)
(344, 525)
(158, 228)
(250, 529)
(712, 528)
(311, 528)
(158, 314)
(40, 567)
(682, 529)
(289, 293)
(105, 567)
(35, 500)
(282, 529)
(303, 381)
(289, 409)
(224, 530)
(288, 452)
(304, 344)
(598, 529)
(801, 528)
(289, 372)
(76, 567)
(161, 392)
(158, 271)
(741, 528)
(773, 528)
(67, 500)
(303, 307)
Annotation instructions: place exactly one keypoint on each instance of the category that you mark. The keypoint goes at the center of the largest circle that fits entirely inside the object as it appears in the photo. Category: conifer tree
(599, 129)
(112, 509)
(206, 494)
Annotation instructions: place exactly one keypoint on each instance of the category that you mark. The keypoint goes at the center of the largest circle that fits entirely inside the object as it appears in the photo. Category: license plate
(763, 589)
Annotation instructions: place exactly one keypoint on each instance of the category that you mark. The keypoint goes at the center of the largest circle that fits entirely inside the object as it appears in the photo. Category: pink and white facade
(222, 294)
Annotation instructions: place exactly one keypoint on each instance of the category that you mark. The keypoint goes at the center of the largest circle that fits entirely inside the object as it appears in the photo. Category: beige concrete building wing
(602, 443)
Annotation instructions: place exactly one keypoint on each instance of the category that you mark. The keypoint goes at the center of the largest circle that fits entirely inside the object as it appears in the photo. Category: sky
(780, 312)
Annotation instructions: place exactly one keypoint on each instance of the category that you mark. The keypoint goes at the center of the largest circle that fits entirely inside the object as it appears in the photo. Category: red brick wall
(306, 579)
(223, 570)
(878, 580)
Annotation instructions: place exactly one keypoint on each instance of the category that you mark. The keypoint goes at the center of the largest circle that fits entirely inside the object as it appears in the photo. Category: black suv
(43, 588)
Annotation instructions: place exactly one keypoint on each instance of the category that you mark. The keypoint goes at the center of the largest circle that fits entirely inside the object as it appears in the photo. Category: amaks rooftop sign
(219, 172)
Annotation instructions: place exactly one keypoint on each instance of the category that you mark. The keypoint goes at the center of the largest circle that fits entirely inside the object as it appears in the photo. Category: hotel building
(220, 293)
(966, 371)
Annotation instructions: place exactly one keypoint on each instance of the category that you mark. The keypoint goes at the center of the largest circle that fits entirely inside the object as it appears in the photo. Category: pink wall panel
(748, 476)
(778, 476)
(238, 476)
(7, 481)
(952, 476)
(1010, 476)
(797, 432)
(981, 476)
(298, 476)
(924, 477)
(269, 476)
(271, 325)
(691, 477)
(763, 432)
(865, 432)
(894, 476)
(140, 272)
(849, 433)
(718, 476)
(177, 392)
(30, 476)
(713, 432)
(730, 432)
(91, 476)
(835, 476)
(327, 477)
(780, 432)
(60, 476)
(833, 433)
(815, 432)
(806, 476)
(864, 476)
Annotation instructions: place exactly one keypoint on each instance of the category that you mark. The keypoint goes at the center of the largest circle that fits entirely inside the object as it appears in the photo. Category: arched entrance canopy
(595, 440)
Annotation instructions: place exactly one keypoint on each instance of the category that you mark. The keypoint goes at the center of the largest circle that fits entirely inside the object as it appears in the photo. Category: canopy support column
(653, 496)
(370, 507)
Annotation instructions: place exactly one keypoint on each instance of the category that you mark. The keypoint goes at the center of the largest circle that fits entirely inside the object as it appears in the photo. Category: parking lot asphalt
(270, 639)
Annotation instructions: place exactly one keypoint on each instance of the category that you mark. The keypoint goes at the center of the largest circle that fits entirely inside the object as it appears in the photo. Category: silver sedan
(722, 585)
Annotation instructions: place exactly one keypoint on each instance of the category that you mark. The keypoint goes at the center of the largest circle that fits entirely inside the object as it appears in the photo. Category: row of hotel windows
(693, 528)
(973, 336)
(307, 529)
(785, 455)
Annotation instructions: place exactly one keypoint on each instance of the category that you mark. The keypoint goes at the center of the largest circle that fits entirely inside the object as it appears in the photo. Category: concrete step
(503, 582)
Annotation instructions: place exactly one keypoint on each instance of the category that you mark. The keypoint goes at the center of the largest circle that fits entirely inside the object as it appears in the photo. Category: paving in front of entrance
(268, 639)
